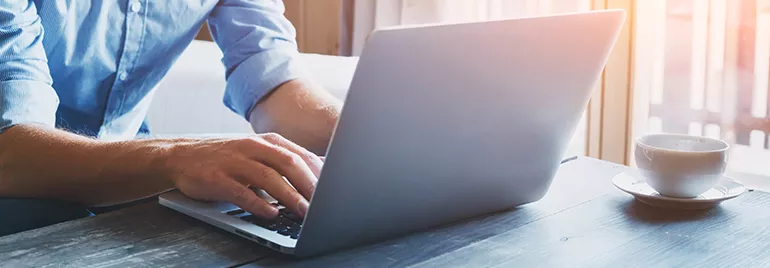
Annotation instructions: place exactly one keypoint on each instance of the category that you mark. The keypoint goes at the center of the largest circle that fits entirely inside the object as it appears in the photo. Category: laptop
(442, 123)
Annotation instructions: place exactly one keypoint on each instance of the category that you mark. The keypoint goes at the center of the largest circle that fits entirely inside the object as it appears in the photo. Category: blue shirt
(91, 66)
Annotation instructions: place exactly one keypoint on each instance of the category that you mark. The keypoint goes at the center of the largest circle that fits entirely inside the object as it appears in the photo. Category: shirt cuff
(27, 102)
(258, 75)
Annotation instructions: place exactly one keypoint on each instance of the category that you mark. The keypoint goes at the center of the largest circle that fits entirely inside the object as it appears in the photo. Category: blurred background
(696, 67)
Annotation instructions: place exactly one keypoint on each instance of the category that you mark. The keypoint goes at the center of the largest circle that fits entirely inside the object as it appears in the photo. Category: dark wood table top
(582, 222)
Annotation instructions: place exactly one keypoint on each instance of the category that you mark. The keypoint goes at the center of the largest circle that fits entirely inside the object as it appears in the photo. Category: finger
(243, 197)
(296, 172)
(268, 179)
(312, 160)
(285, 162)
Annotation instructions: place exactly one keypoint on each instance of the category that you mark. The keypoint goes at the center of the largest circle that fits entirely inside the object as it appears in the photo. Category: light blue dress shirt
(91, 66)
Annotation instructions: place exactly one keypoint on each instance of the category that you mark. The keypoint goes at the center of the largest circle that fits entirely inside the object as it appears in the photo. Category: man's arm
(35, 159)
(38, 161)
(300, 111)
(266, 84)
(46, 163)
(42, 162)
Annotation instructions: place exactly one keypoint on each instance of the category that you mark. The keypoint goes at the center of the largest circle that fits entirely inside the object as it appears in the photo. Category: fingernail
(303, 207)
(272, 212)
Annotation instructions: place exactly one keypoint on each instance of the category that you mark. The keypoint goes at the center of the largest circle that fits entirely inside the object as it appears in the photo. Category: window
(697, 67)
(701, 67)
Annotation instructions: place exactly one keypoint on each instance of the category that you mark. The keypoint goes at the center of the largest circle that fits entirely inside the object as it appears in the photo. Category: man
(77, 77)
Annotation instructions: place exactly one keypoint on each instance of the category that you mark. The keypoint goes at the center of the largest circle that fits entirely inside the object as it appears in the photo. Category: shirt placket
(119, 93)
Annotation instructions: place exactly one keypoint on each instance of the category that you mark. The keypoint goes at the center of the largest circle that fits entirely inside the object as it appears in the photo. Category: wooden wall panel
(318, 24)
(294, 12)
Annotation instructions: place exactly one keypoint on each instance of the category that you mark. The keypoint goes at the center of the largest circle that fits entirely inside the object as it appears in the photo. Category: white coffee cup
(680, 166)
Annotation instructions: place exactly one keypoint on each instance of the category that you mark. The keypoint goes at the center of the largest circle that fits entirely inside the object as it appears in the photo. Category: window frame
(609, 113)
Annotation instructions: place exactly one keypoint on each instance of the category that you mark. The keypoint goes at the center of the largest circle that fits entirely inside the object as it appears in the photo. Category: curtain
(433, 11)
(372, 14)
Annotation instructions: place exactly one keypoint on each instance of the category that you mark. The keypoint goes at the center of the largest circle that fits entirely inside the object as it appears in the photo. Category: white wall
(189, 99)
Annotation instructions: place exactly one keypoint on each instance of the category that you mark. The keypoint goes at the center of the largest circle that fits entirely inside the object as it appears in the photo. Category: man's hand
(223, 170)
(98, 173)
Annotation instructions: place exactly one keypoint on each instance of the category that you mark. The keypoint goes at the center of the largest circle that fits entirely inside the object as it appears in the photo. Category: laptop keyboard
(286, 223)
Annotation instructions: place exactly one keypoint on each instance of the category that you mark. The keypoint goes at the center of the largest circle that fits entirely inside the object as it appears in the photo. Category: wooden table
(583, 222)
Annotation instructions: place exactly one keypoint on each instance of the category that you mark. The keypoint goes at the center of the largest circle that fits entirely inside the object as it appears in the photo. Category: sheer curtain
(421, 11)
(372, 14)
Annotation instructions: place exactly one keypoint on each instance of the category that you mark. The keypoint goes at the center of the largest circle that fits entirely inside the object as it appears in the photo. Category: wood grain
(733, 235)
(598, 228)
(582, 222)
(608, 231)
(147, 235)
(420, 247)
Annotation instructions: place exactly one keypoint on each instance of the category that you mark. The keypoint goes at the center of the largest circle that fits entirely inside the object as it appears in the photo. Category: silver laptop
(441, 123)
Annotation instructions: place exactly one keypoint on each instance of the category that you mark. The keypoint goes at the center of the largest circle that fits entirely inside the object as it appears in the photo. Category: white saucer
(634, 184)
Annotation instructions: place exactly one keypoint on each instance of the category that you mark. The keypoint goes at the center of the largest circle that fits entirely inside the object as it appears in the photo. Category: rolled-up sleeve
(26, 95)
(259, 47)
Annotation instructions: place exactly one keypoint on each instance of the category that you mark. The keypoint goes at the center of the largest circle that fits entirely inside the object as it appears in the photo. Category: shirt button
(123, 76)
(136, 6)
